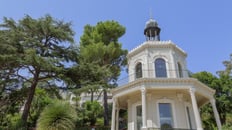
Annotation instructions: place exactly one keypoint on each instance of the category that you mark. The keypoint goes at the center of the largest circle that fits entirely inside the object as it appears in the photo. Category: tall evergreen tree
(99, 45)
(37, 50)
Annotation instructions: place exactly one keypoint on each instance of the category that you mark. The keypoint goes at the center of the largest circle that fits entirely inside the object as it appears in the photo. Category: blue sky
(203, 28)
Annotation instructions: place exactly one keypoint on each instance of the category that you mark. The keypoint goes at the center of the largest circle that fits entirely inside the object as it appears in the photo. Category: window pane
(165, 112)
(189, 117)
(139, 117)
(138, 71)
(160, 68)
(180, 70)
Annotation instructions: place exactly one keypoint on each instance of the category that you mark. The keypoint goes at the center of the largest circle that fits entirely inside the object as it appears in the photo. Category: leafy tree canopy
(222, 84)
(99, 45)
(37, 50)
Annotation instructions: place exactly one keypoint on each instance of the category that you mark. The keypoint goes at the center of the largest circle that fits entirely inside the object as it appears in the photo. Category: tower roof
(152, 30)
(151, 23)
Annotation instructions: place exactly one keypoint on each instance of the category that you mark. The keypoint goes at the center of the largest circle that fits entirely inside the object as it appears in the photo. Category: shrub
(57, 116)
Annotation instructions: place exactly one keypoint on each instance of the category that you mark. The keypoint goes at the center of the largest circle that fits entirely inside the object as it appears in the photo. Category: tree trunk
(92, 94)
(30, 96)
(106, 117)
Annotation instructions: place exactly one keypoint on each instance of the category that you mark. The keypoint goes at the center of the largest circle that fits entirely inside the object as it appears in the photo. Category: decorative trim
(173, 83)
(180, 96)
(155, 44)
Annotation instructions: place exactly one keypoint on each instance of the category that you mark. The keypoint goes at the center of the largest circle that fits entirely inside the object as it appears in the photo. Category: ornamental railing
(125, 78)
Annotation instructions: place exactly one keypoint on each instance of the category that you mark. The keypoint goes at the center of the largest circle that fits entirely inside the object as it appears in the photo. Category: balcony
(125, 78)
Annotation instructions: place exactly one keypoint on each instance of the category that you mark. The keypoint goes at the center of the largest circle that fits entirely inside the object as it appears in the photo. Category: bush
(226, 127)
(57, 116)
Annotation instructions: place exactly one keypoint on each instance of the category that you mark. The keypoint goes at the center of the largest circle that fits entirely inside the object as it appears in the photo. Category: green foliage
(41, 100)
(100, 59)
(222, 85)
(15, 122)
(89, 113)
(88, 74)
(224, 93)
(227, 127)
(207, 117)
(109, 56)
(99, 45)
(34, 52)
(57, 116)
(11, 104)
(106, 32)
(38, 47)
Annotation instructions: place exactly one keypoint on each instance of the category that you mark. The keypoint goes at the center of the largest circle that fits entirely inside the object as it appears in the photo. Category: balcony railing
(150, 74)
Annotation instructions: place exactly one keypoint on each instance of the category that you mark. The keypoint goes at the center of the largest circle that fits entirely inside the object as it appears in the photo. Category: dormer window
(160, 68)
(138, 71)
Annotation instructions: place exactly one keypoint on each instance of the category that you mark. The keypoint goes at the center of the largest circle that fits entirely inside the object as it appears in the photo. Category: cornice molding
(172, 82)
(155, 44)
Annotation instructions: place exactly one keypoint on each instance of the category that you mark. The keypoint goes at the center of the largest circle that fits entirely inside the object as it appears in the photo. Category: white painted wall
(178, 108)
(148, 52)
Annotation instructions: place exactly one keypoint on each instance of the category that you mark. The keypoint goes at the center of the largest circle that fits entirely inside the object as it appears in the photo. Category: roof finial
(150, 13)
(152, 29)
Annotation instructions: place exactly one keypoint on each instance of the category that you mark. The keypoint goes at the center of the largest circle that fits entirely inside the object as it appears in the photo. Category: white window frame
(166, 63)
(135, 113)
(135, 70)
(192, 117)
(165, 100)
(133, 74)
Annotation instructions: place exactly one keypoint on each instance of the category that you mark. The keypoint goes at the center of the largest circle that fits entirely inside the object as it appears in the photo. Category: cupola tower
(152, 30)
(159, 94)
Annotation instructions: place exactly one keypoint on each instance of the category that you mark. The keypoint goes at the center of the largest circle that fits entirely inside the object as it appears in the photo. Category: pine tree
(99, 45)
(36, 51)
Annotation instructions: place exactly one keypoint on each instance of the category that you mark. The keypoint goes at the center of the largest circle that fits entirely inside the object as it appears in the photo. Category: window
(160, 68)
(180, 70)
(138, 71)
(165, 115)
(139, 117)
(189, 117)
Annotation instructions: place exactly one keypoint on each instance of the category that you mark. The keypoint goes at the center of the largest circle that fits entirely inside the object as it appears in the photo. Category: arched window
(138, 71)
(160, 68)
(180, 70)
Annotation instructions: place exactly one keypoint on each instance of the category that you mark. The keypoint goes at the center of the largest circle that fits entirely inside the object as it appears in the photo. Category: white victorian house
(160, 94)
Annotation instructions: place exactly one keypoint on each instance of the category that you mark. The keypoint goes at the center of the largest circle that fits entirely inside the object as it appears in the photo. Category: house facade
(160, 94)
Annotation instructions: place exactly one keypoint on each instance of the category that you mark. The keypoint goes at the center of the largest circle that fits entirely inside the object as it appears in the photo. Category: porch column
(117, 118)
(129, 115)
(144, 108)
(216, 115)
(195, 109)
(113, 114)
